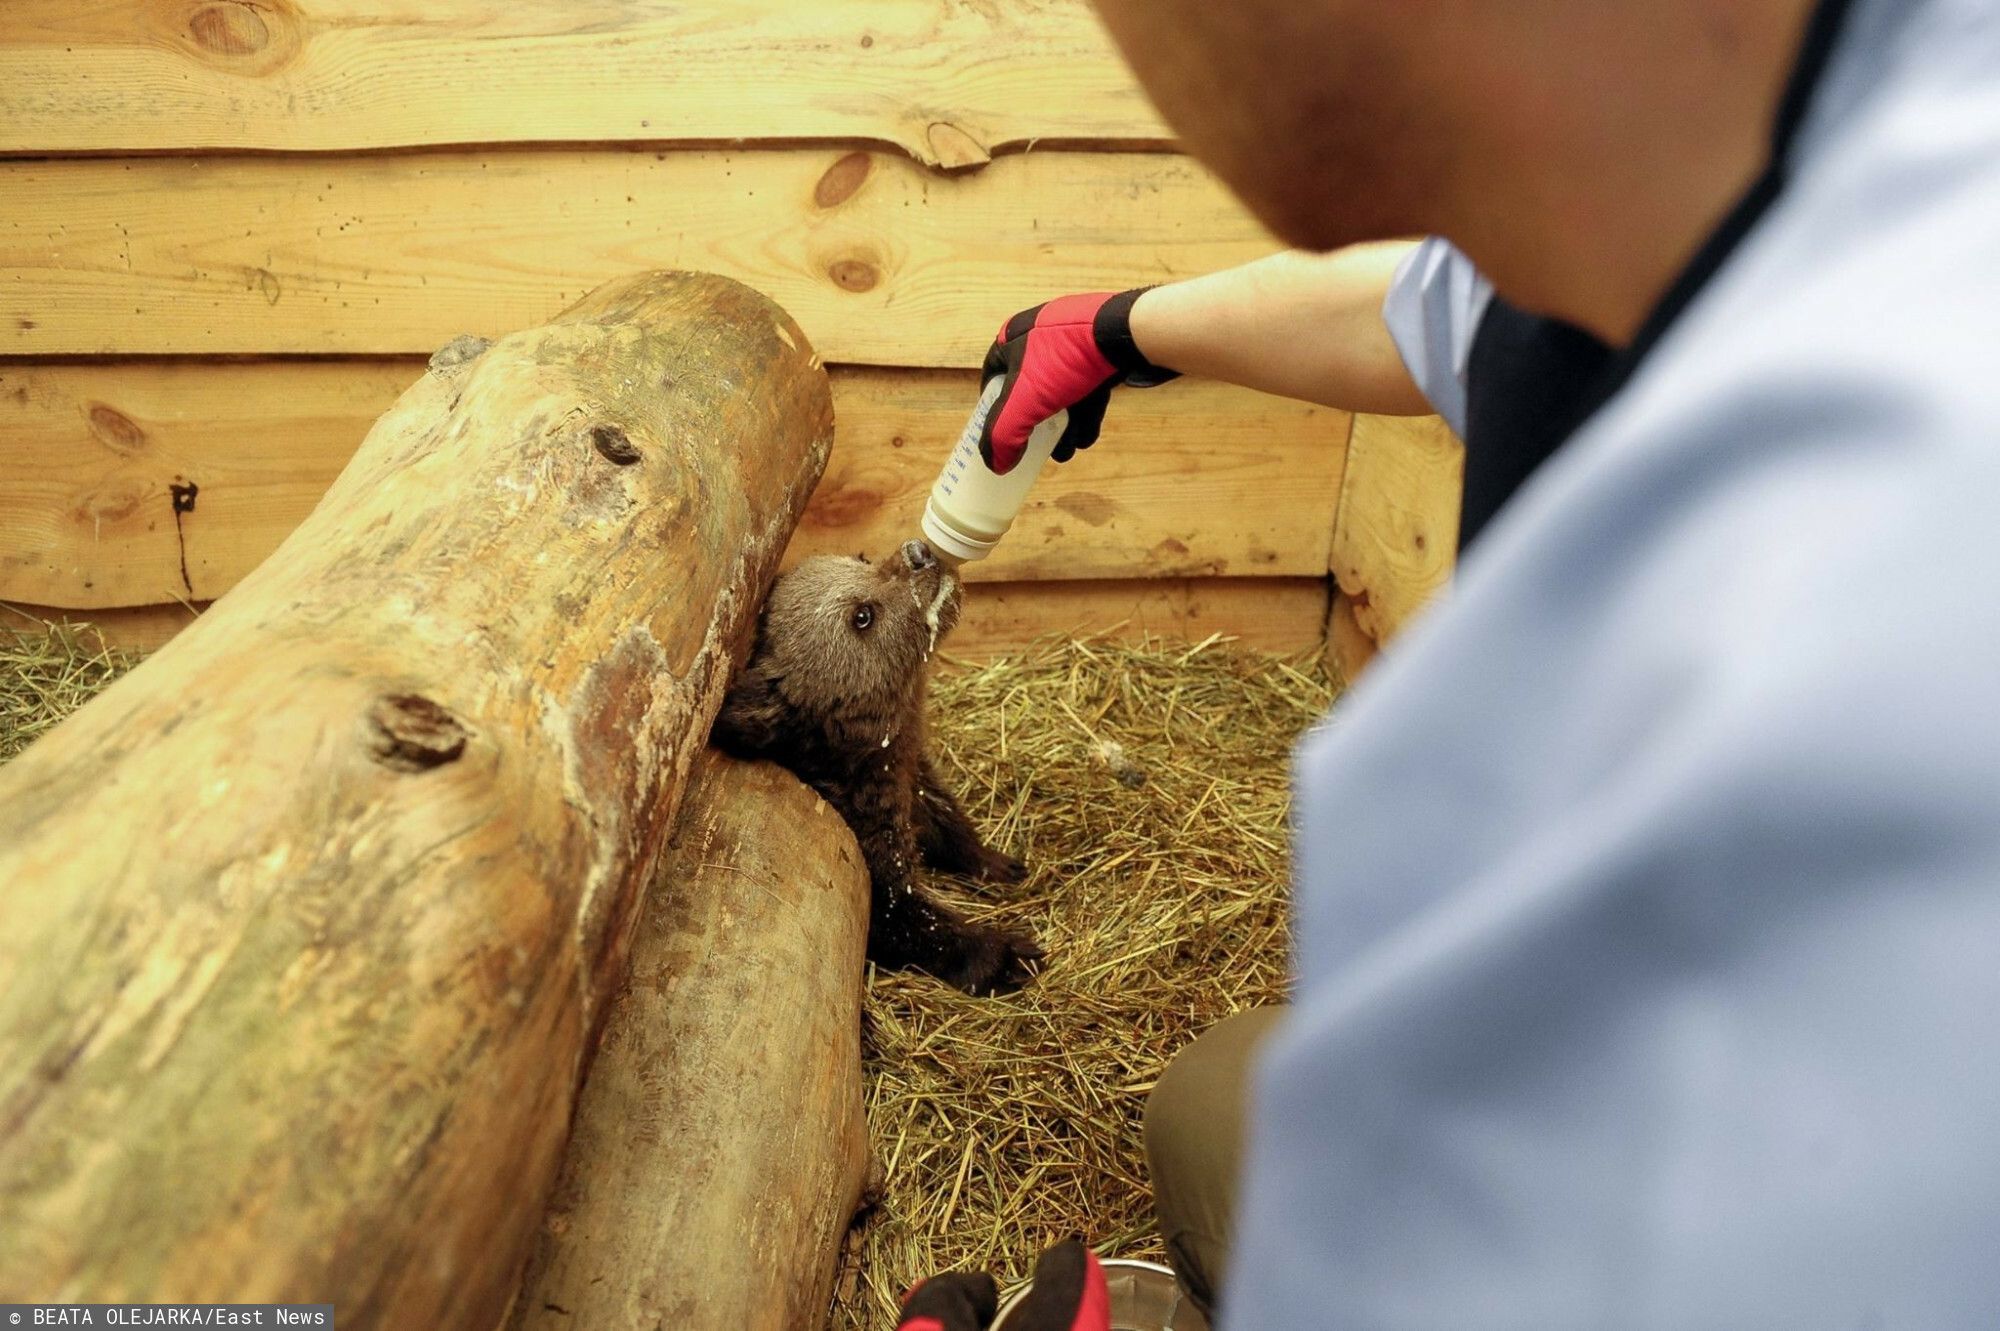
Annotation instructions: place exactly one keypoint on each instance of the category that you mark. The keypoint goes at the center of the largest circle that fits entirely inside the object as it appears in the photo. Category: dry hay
(47, 672)
(1148, 788)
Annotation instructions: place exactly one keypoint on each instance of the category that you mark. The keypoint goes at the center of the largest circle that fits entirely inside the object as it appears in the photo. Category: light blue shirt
(1648, 900)
(1435, 302)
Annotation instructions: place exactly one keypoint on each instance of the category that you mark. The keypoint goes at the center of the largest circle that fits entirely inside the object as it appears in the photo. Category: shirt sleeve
(1433, 309)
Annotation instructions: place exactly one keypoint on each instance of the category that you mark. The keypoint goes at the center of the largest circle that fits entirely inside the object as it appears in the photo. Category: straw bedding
(47, 672)
(1148, 788)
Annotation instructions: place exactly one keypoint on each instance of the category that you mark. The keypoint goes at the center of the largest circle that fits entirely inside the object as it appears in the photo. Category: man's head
(1313, 111)
(1578, 150)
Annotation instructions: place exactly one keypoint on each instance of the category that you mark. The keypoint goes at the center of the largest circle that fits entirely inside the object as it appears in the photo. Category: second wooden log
(719, 1148)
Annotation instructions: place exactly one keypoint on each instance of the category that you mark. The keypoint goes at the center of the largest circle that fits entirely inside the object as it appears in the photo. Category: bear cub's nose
(918, 556)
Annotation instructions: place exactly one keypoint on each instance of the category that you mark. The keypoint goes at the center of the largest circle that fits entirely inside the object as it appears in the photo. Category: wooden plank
(139, 484)
(138, 629)
(947, 83)
(1396, 535)
(1349, 651)
(1285, 616)
(882, 262)
(1190, 479)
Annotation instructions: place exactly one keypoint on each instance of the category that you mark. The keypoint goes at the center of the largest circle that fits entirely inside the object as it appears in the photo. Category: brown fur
(842, 706)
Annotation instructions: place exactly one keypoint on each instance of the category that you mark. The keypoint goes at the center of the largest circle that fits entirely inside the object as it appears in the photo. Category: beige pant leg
(1195, 1126)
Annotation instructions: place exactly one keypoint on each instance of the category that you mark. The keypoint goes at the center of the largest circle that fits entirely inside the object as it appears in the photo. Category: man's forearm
(1306, 326)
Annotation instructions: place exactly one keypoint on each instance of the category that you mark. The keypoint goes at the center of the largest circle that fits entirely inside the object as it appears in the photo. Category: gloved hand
(1068, 1295)
(1066, 355)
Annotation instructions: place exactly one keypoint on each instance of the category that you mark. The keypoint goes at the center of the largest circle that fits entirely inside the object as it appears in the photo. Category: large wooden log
(306, 923)
(719, 1148)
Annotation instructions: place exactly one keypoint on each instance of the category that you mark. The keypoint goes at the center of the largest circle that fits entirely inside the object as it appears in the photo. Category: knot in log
(614, 444)
(410, 733)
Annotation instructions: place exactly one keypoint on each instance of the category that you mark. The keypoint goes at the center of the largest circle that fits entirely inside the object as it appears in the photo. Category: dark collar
(1815, 53)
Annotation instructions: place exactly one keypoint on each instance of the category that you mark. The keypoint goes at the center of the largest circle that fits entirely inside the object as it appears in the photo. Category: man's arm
(1306, 326)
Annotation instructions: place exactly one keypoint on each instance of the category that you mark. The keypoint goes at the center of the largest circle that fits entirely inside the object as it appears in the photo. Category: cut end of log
(407, 732)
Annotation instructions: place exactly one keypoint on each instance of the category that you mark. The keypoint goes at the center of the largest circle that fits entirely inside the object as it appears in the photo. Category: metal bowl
(1144, 1297)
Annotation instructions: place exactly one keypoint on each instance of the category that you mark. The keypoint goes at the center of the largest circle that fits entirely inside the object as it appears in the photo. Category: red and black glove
(1066, 355)
(1068, 1295)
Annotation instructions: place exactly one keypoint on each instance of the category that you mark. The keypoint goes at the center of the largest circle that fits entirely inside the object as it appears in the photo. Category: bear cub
(834, 690)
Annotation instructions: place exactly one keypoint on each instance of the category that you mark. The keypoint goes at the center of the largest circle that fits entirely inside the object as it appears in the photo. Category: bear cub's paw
(992, 961)
(999, 867)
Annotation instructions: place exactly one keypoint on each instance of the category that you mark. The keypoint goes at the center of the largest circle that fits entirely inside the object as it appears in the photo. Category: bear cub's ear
(752, 714)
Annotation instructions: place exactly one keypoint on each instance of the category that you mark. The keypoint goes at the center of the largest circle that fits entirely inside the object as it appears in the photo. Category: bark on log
(307, 923)
(719, 1147)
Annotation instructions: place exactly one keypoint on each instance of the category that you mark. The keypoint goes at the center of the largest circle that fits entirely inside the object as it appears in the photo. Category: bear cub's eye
(863, 617)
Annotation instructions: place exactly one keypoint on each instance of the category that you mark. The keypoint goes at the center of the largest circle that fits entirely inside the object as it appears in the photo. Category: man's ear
(747, 726)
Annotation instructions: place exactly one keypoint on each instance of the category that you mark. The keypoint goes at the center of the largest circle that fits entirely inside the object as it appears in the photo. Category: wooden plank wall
(231, 229)
(1396, 534)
